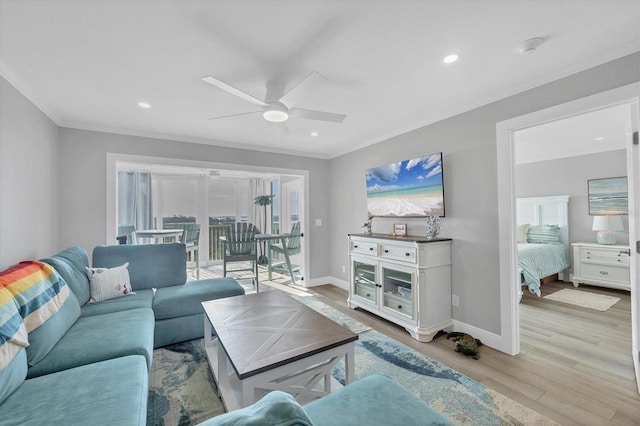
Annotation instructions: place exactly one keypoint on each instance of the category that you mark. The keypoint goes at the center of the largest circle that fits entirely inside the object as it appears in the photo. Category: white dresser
(601, 265)
(406, 280)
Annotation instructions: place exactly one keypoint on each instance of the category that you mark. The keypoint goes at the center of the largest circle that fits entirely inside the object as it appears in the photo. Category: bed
(543, 239)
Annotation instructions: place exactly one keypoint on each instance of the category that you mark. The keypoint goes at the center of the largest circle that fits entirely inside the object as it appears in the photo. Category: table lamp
(607, 227)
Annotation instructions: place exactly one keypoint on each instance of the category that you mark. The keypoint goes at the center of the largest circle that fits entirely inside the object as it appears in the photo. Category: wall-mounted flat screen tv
(410, 188)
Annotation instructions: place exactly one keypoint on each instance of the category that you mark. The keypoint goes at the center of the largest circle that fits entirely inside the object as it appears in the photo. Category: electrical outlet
(344, 269)
(318, 222)
(455, 300)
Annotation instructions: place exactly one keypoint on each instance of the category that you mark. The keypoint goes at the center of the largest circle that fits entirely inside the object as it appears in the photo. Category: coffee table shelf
(270, 341)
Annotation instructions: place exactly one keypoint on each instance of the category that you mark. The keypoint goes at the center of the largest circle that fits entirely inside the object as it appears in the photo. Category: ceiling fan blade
(234, 91)
(235, 115)
(316, 115)
(300, 90)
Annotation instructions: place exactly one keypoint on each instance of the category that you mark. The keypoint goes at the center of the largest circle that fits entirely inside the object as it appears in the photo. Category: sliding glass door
(291, 212)
(275, 206)
(227, 202)
(212, 203)
(176, 201)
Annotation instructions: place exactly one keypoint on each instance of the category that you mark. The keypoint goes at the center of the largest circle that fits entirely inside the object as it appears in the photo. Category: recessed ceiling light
(144, 105)
(450, 59)
(528, 47)
(314, 134)
(600, 139)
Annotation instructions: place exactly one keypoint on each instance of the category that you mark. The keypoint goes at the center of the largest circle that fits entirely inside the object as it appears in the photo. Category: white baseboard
(339, 283)
(489, 339)
(327, 280)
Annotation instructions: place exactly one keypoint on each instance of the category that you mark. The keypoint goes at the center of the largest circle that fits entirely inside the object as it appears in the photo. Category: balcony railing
(215, 245)
(216, 249)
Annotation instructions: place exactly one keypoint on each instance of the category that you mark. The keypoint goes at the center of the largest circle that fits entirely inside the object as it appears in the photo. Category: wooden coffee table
(270, 341)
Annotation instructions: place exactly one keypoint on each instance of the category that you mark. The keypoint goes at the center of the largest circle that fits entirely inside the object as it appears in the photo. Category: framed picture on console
(400, 229)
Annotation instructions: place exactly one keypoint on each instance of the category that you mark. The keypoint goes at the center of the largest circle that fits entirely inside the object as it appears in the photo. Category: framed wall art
(608, 196)
(409, 188)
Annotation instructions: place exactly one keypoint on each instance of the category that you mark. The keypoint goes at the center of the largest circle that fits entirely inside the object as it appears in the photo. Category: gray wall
(568, 176)
(30, 167)
(82, 176)
(468, 144)
(28, 176)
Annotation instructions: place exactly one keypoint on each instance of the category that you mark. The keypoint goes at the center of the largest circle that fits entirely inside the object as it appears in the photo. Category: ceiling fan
(277, 107)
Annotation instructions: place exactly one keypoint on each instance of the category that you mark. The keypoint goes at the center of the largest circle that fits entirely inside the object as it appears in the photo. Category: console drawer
(364, 247)
(398, 304)
(397, 252)
(366, 291)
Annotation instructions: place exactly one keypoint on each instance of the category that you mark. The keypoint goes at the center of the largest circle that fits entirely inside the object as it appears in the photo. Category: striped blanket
(541, 260)
(31, 292)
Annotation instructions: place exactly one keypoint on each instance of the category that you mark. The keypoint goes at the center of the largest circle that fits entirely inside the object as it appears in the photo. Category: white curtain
(134, 200)
(257, 187)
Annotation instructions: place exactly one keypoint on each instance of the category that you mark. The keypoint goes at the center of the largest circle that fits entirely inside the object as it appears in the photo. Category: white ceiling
(602, 130)
(87, 64)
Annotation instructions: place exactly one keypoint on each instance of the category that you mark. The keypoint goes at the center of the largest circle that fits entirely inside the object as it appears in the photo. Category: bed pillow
(109, 283)
(521, 233)
(543, 234)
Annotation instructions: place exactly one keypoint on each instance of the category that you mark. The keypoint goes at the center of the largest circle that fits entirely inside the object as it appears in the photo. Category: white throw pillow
(521, 234)
(109, 283)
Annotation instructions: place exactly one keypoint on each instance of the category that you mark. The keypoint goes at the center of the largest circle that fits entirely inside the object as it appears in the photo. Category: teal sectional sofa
(67, 360)
(159, 275)
(372, 400)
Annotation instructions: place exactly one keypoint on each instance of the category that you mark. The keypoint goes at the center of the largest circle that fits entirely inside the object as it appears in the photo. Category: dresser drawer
(364, 247)
(605, 272)
(604, 256)
(397, 252)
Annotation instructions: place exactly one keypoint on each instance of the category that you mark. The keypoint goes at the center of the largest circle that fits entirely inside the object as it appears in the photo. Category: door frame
(285, 207)
(509, 306)
(113, 159)
(633, 173)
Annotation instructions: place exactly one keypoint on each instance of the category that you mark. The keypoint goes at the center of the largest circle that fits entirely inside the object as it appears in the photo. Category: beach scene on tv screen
(407, 188)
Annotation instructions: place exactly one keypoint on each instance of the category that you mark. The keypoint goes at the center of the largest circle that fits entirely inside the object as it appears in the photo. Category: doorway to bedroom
(588, 327)
(533, 171)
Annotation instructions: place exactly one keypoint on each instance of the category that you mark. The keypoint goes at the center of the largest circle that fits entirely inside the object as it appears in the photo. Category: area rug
(599, 302)
(181, 387)
(337, 316)
(182, 391)
(460, 398)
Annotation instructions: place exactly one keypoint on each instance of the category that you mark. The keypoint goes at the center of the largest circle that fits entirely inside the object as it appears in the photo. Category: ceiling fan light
(275, 115)
(450, 59)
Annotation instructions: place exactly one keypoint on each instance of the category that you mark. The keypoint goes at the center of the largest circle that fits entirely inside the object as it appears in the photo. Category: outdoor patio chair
(289, 246)
(240, 245)
(128, 231)
(191, 240)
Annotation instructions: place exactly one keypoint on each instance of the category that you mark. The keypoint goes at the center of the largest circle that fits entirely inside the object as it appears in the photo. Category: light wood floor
(575, 363)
